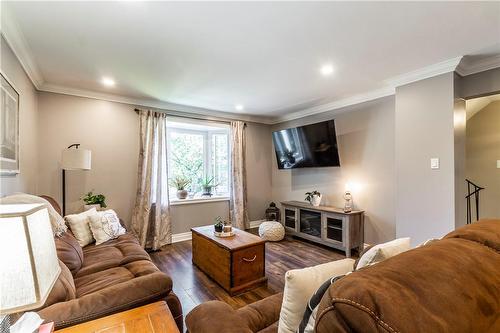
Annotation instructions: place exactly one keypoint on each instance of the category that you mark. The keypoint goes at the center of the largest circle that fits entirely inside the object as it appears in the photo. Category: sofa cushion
(451, 285)
(113, 253)
(262, 314)
(69, 252)
(105, 225)
(100, 280)
(300, 285)
(80, 226)
(484, 232)
(64, 288)
(382, 252)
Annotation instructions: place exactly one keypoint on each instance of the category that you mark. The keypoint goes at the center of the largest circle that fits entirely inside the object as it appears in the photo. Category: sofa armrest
(122, 296)
(215, 317)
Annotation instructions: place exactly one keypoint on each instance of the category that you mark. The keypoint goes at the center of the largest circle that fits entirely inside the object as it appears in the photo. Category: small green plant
(94, 199)
(208, 182)
(310, 195)
(180, 182)
(219, 224)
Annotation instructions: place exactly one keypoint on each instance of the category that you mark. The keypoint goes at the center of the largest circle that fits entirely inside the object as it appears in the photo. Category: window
(198, 151)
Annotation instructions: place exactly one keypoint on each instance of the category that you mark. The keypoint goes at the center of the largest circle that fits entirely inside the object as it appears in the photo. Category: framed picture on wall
(9, 129)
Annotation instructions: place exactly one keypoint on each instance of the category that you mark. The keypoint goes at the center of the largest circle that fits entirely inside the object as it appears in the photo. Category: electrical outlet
(434, 163)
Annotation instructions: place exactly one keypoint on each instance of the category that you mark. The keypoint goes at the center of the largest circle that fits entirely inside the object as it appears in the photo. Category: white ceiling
(261, 54)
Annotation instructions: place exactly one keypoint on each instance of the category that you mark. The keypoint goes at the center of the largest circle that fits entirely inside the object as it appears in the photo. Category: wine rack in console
(327, 225)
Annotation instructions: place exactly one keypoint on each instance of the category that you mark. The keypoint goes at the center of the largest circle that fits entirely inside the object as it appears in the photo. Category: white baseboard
(184, 236)
(255, 224)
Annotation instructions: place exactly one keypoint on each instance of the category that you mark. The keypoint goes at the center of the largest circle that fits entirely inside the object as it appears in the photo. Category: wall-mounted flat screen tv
(307, 146)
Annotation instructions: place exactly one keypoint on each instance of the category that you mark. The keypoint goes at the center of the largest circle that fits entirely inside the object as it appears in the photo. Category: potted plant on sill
(314, 198)
(92, 200)
(207, 184)
(180, 183)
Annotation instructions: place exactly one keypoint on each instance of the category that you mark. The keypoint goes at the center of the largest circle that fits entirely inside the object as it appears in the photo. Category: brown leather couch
(99, 280)
(450, 285)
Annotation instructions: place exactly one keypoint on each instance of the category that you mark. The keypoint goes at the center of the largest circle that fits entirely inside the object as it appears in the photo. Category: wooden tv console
(324, 224)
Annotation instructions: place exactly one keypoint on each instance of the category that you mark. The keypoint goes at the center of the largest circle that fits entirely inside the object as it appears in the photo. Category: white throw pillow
(383, 251)
(105, 225)
(80, 226)
(56, 220)
(300, 285)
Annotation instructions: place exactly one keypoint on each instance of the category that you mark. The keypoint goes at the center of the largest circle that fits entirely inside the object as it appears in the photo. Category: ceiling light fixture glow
(239, 107)
(326, 69)
(108, 82)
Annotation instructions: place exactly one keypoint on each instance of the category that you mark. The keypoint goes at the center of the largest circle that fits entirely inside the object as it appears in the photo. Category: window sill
(178, 202)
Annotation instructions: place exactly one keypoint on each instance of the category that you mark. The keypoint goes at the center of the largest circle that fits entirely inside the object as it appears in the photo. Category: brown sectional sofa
(450, 285)
(98, 280)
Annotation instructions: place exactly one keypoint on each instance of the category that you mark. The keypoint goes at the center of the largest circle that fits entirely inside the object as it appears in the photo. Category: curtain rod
(183, 115)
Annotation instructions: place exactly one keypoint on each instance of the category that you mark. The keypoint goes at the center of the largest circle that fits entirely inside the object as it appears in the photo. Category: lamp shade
(76, 159)
(29, 266)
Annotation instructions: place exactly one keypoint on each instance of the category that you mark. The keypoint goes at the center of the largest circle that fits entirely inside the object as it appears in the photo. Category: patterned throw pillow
(309, 319)
(105, 225)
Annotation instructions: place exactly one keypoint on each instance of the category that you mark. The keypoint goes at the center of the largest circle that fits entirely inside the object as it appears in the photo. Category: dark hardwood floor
(193, 287)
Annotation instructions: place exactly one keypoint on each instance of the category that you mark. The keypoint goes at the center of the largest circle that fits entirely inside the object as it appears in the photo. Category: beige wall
(26, 180)
(366, 146)
(110, 130)
(425, 198)
(483, 150)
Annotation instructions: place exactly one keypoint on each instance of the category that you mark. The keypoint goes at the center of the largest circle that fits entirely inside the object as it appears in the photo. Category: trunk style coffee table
(237, 263)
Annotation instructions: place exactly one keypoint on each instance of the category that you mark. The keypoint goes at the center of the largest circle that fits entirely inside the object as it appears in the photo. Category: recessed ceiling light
(326, 69)
(239, 107)
(108, 82)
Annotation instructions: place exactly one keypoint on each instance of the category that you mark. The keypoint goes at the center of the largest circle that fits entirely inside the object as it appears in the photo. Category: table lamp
(73, 158)
(29, 265)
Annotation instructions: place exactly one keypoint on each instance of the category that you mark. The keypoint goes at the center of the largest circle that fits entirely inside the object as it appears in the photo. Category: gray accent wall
(366, 146)
(26, 180)
(111, 131)
(425, 198)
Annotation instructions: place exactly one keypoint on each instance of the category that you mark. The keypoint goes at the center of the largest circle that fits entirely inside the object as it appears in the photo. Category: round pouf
(271, 231)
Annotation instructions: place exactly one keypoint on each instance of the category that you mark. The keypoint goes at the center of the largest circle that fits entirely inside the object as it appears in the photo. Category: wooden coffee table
(237, 263)
(151, 318)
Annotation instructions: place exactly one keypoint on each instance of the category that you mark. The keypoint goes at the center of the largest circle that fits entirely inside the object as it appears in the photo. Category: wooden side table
(151, 318)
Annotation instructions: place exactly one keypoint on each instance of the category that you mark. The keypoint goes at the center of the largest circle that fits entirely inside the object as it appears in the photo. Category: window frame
(208, 168)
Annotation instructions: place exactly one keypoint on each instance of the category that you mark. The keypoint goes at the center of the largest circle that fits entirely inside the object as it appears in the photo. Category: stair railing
(472, 191)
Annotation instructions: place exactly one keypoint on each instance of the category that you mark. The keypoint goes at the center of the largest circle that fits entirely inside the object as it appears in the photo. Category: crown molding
(468, 66)
(442, 67)
(13, 35)
(336, 105)
(173, 109)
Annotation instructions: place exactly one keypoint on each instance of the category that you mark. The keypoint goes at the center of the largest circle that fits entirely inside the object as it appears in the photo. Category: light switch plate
(434, 163)
(498, 164)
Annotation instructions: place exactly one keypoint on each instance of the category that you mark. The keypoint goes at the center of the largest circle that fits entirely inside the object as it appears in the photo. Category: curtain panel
(151, 216)
(238, 200)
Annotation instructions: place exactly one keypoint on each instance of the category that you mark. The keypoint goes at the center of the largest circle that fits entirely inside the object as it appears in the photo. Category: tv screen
(307, 146)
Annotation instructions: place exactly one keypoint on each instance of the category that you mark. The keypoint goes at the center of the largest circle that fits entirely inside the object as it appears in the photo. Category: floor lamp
(73, 158)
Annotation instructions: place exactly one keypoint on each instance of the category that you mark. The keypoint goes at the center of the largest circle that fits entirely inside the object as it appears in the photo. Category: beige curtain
(238, 203)
(151, 216)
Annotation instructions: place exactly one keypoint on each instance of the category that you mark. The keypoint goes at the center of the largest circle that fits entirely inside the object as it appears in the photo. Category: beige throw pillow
(105, 225)
(300, 285)
(80, 226)
(56, 220)
(383, 251)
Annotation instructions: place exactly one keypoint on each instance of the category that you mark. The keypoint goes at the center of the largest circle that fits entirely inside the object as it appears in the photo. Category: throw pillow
(80, 226)
(105, 225)
(383, 251)
(56, 220)
(300, 285)
(309, 318)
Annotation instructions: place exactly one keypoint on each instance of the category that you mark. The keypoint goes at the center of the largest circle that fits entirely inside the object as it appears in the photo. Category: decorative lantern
(272, 212)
